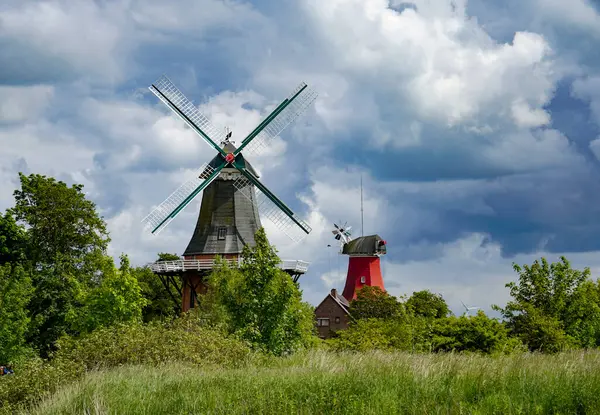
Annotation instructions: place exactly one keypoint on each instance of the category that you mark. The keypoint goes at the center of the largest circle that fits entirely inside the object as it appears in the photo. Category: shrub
(473, 334)
(182, 340)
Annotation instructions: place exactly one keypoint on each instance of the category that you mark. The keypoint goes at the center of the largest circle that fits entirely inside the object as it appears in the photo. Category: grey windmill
(233, 200)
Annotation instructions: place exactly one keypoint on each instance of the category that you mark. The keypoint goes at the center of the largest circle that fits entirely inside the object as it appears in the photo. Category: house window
(222, 233)
(323, 322)
(363, 280)
(337, 319)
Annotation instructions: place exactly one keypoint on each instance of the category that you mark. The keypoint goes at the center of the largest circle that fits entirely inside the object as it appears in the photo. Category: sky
(475, 125)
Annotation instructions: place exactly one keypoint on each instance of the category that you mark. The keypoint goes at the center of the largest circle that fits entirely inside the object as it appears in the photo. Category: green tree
(427, 304)
(161, 302)
(165, 256)
(472, 333)
(373, 302)
(261, 302)
(63, 226)
(582, 314)
(553, 306)
(116, 299)
(66, 243)
(15, 292)
(13, 240)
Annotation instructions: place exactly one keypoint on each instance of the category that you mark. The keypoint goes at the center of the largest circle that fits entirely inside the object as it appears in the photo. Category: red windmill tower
(364, 270)
(364, 265)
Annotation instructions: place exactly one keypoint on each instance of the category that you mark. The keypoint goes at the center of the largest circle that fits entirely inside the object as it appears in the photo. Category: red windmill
(364, 266)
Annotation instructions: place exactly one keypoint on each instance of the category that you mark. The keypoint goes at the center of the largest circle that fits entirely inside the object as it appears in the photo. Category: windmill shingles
(224, 209)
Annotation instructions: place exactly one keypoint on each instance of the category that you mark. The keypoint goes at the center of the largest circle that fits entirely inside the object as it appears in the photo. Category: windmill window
(323, 322)
(337, 319)
(222, 232)
(363, 280)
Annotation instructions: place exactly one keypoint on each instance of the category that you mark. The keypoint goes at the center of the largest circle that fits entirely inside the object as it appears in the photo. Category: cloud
(60, 40)
(52, 39)
(580, 13)
(483, 285)
(454, 113)
(22, 104)
(435, 58)
(588, 89)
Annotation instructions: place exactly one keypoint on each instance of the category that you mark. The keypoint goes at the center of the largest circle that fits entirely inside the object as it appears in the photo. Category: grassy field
(321, 382)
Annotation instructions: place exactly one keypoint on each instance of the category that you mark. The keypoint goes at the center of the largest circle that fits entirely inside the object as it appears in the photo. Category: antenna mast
(362, 229)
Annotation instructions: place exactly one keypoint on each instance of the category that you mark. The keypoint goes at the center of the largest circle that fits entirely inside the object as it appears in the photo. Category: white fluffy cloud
(83, 35)
(392, 79)
(96, 41)
(448, 68)
(579, 13)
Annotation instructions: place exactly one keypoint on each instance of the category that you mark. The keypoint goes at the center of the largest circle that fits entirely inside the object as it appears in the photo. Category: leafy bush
(34, 379)
(259, 302)
(15, 292)
(472, 334)
(181, 340)
(407, 334)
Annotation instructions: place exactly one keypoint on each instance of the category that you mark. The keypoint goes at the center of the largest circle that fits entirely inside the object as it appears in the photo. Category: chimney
(334, 293)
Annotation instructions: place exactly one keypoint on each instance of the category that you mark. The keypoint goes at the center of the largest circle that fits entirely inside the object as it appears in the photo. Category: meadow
(320, 381)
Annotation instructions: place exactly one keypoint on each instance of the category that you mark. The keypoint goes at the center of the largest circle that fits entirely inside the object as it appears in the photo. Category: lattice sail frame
(270, 211)
(283, 119)
(164, 213)
(164, 88)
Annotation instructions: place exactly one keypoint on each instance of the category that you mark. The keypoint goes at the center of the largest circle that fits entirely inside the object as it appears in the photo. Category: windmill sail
(269, 205)
(164, 213)
(168, 93)
(291, 108)
(270, 208)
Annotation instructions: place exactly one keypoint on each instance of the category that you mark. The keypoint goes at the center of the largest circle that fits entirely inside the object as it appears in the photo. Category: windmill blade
(164, 213)
(285, 113)
(270, 207)
(168, 93)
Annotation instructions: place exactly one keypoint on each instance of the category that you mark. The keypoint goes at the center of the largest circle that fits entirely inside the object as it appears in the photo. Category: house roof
(339, 300)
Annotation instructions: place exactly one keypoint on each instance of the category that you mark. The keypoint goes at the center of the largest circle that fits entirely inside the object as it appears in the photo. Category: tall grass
(324, 382)
(152, 344)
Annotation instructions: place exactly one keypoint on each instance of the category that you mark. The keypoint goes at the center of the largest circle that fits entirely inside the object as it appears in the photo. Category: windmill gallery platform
(233, 197)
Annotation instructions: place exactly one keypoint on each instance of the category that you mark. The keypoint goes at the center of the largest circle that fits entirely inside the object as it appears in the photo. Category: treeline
(57, 281)
(66, 307)
(553, 308)
(56, 277)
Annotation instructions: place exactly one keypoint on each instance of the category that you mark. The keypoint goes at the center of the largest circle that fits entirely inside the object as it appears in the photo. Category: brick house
(332, 314)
